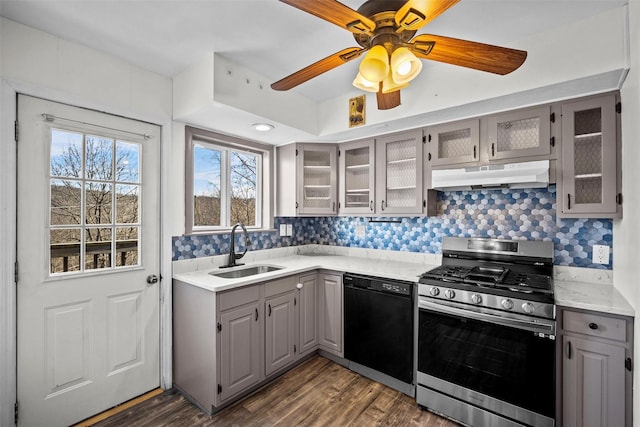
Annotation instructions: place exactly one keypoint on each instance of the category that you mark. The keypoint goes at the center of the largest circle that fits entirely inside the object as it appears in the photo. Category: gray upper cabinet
(399, 173)
(521, 133)
(596, 381)
(357, 177)
(307, 179)
(590, 177)
(453, 143)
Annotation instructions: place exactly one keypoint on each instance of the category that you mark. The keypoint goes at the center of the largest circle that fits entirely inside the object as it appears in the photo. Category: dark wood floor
(318, 392)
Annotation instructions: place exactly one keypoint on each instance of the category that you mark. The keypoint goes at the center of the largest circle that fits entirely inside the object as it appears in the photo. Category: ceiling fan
(386, 29)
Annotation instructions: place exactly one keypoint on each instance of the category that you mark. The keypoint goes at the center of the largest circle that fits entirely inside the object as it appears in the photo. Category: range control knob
(528, 307)
(449, 293)
(477, 299)
(507, 304)
(434, 292)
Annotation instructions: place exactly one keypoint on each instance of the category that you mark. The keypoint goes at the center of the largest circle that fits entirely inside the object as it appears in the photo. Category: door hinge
(15, 272)
(429, 137)
(295, 302)
(553, 141)
(429, 157)
(294, 349)
(424, 138)
(424, 203)
(219, 327)
(338, 205)
(619, 107)
(15, 413)
(219, 389)
(552, 117)
(296, 151)
(618, 201)
(628, 364)
(339, 153)
(16, 131)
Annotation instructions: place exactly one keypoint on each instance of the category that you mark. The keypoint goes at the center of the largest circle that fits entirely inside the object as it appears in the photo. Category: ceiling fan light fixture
(375, 65)
(405, 66)
(363, 84)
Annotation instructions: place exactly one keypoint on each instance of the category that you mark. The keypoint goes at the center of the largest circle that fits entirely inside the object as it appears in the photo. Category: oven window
(506, 363)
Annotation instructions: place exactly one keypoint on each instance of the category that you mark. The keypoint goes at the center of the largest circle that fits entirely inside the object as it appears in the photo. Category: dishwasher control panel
(379, 284)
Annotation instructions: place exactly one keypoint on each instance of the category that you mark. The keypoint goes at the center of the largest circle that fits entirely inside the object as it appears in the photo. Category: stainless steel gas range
(486, 333)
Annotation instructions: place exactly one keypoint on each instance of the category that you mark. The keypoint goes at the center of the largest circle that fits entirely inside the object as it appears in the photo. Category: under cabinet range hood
(510, 175)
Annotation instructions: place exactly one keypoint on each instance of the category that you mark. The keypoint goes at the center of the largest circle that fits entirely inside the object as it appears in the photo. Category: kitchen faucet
(233, 256)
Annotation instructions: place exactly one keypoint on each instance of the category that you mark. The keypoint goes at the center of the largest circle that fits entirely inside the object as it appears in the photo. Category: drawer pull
(593, 326)
(569, 350)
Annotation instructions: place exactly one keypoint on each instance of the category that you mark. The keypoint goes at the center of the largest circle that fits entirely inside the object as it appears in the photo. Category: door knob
(152, 279)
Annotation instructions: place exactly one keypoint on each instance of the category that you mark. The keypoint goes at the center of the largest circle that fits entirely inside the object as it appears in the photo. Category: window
(225, 182)
(94, 202)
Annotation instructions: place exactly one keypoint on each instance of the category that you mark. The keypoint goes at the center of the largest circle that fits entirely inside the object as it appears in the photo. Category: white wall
(626, 232)
(39, 64)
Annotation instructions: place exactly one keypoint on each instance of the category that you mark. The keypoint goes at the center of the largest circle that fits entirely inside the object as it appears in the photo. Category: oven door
(502, 365)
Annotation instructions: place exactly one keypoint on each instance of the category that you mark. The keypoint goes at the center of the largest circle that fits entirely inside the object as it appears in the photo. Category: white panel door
(88, 238)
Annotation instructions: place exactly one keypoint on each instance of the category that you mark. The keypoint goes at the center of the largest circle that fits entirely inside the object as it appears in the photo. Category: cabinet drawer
(280, 286)
(238, 297)
(594, 325)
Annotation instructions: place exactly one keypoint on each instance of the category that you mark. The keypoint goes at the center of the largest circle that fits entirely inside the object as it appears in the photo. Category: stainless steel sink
(245, 271)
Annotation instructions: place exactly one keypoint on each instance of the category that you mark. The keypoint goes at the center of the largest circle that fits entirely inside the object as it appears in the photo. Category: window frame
(264, 185)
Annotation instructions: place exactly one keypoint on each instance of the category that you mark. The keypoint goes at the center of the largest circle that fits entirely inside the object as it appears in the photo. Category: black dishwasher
(378, 324)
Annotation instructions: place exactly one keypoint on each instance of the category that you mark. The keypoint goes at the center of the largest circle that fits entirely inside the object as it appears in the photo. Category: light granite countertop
(579, 288)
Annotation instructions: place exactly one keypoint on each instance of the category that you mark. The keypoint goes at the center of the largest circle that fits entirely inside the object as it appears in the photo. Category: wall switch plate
(360, 231)
(283, 230)
(601, 254)
(289, 230)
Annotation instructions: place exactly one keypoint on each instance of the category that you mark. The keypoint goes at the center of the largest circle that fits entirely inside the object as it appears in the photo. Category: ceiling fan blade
(387, 101)
(336, 13)
(317, 68)
(479, 56)
(414, 14)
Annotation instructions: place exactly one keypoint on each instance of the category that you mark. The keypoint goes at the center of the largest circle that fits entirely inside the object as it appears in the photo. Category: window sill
(228, 230)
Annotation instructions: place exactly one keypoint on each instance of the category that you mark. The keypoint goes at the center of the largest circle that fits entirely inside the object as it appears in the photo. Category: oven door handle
(547, 328)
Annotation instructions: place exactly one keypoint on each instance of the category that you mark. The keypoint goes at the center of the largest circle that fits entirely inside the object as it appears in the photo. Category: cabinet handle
(382, 205)
(569, 350)
(568, 201)
(269, 310)
(256, 314)
(475, 148)
(371, 205)
(493, 149)
(593, 326)
(333, 207)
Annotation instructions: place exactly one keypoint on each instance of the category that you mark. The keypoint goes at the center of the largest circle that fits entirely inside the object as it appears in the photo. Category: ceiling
(267, 36)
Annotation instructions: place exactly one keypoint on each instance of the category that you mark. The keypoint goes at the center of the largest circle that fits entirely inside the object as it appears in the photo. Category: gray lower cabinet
(596, 381)
(280, 348)
(308, 309)
(331, 313)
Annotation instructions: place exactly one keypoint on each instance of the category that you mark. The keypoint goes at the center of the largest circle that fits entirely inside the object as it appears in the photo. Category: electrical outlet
(289, 230)
(600, 254)
(283, 230)
(360, 231)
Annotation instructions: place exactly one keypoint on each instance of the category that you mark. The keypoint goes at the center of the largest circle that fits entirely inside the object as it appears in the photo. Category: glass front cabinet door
(523, 133)
(399, 173)
(357, 177)
(317, 178)
(453, 143)
(589, 158)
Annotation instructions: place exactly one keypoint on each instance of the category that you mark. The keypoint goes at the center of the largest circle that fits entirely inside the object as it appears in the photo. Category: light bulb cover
(262, 127)
(363, 84)
(405, 66)
(390, 85)
(375, 65)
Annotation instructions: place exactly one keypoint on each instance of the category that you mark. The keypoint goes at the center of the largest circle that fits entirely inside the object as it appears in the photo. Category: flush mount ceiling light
(386, 30)
(262, 127)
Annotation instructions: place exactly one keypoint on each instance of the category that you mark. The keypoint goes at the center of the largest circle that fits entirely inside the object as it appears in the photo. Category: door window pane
(66, 202)
(207, 167)
(99, 158)
(127, 200)
(127, 241)
(127, 162)
(66, 154)
(98, 202)
(97, 248)
(65, 250)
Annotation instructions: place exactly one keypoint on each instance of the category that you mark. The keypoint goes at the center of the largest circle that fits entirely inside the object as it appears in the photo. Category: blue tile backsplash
(508, 214)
